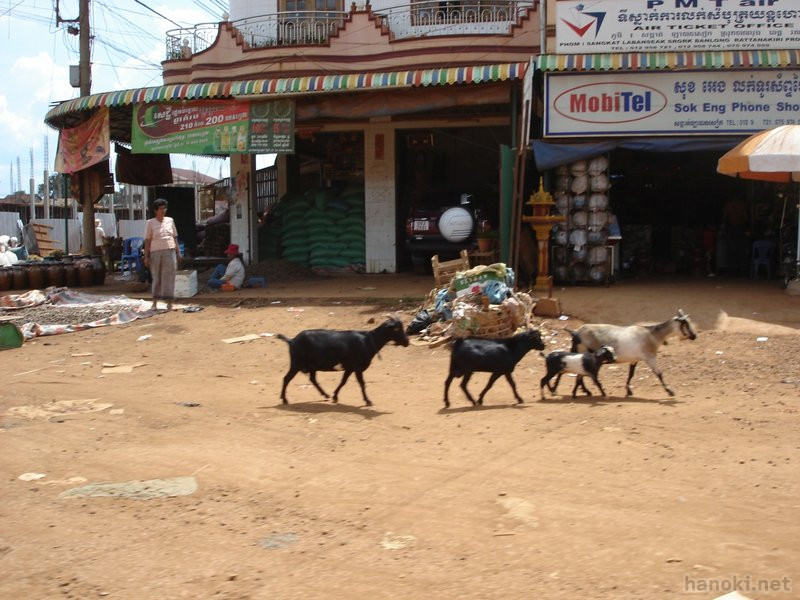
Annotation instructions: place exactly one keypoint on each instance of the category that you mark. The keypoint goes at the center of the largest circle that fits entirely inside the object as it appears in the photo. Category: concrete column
(243, 207)
(381, 203)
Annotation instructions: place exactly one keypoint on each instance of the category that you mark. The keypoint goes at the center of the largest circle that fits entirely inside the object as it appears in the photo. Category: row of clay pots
(32, 276)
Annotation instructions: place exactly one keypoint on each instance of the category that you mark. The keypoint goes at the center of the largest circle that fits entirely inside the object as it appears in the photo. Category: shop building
(390, 99)
(659, 91)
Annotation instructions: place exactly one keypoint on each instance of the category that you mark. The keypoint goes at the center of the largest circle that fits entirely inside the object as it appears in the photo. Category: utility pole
(85, 81)
(46, 181)
(85, 69)
(33, 191)
(85, 50)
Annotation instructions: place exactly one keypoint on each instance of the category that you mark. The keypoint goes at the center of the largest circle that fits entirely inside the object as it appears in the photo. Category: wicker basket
(471, 319)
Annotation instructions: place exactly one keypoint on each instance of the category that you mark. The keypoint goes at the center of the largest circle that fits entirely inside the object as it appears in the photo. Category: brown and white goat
(634, 343)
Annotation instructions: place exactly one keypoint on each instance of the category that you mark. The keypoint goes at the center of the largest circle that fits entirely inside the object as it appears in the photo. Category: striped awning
(646, 61)
(293, 86)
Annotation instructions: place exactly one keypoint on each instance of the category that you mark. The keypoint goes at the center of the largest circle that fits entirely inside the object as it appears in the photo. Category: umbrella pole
(797, 258)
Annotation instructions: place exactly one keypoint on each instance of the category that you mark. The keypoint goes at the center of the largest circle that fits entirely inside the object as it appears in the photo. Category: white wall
(9, 225)
(242, 9)
(129, 229)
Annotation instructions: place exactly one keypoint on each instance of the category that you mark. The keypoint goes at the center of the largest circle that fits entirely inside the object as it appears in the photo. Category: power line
(156, 12)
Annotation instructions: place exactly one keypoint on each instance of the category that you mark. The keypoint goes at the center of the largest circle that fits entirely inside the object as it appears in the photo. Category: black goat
(315, 350)
(495, 356)
(588, 363)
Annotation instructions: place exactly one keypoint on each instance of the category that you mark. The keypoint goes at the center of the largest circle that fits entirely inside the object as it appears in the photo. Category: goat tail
(280, 336)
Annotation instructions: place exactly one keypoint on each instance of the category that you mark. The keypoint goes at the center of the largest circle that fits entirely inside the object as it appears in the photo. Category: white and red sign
(597, 26)
(670, 103)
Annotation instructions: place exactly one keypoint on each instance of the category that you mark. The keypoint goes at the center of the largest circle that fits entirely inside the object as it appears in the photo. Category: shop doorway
(678, 216)
(442, 168)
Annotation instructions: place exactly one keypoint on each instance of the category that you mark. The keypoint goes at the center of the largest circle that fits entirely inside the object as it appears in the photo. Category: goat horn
(680, 313)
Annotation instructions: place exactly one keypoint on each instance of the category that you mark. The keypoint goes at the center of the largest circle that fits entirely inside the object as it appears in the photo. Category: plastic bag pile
(478, 302)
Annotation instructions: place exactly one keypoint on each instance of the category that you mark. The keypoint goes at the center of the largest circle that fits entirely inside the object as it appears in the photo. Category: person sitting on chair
(232, 273)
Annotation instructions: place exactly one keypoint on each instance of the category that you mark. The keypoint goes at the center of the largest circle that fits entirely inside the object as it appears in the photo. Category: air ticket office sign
(214, 127)
(597, 26)
(670, 103)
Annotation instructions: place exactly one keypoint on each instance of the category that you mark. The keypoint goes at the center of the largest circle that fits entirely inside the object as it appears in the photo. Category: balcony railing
(434, 17)
(415, 19)
(280, 29)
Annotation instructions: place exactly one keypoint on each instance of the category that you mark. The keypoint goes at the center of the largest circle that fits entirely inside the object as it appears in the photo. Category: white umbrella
(770, 155)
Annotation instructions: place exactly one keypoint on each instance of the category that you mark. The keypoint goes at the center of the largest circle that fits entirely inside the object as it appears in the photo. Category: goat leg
(628, 389)
(554, 386)
(544, 382)
(651, 362)
(313, 377)
(360, 377)
(514, 387)
(494, 377)
(597, 383)
(579, 383)
(464, 381)
(286, 379)
(345, 377)
(446, 388)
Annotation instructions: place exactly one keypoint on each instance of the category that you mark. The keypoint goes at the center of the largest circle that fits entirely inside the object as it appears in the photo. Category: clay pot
(55, 274)
(85, 275)
(19, 275)
(484, 244)
(37, 277)
(70, 275)
(99, 270)
(5, 279)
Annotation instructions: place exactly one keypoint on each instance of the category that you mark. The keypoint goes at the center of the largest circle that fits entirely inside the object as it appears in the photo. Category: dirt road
(645, 497)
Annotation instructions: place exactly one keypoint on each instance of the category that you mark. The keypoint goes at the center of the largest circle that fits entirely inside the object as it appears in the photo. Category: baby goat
(634, 342)
(588, 363)
(495, 356)
(315, 350)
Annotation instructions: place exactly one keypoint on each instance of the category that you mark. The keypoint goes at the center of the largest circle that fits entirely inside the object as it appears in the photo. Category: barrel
(19, 275)
(85, 274)
(55, 274)
(5, 279)
(98, 270)
(37, 277)
(70, 275)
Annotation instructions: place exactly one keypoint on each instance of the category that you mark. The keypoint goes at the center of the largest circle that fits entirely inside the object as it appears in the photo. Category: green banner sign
(208, 127)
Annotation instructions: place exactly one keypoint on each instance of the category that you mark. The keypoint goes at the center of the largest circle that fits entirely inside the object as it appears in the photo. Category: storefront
(340, 132)
(658, 120)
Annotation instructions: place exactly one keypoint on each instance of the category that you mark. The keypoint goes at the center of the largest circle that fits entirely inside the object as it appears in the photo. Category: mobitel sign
(611, 102)
(670, 102)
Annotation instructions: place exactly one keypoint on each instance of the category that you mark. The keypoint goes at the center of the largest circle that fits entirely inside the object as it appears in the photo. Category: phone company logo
(582, 21)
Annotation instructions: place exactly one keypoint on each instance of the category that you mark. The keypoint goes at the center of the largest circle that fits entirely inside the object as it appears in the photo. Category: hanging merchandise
(578, 168)
(579, 246)
(598, 202)
(580, 184)
(598, 165)
(599, 183)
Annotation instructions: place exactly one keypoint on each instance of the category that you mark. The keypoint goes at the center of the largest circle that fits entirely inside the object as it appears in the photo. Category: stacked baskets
(580, 253)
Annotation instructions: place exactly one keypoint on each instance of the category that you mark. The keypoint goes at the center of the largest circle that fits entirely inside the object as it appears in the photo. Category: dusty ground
(643, 498)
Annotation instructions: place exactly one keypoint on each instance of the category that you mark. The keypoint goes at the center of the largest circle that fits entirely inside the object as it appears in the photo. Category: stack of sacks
(324, 230)
(294, 232)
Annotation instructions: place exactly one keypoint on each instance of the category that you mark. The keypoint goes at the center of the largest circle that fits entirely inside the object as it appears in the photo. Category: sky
(35, 54)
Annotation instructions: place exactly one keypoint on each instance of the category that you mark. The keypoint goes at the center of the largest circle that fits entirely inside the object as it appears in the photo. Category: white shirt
(234, 272)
